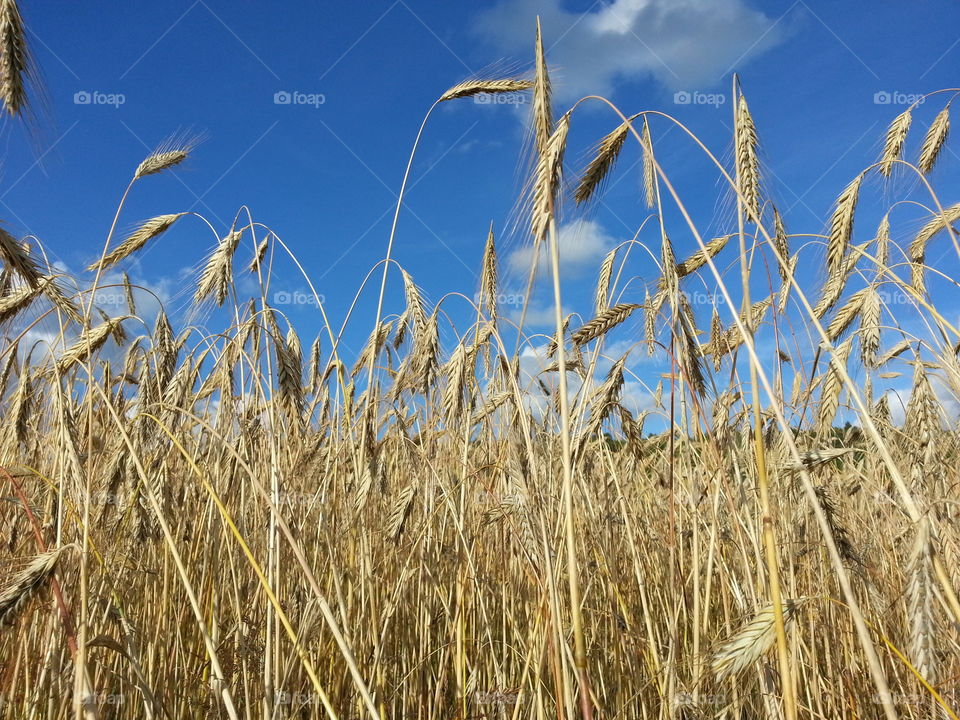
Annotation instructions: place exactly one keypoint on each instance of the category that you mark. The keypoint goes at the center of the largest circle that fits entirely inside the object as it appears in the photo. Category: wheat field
(242, 523)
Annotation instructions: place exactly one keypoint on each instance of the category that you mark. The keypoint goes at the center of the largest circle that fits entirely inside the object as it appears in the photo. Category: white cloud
(582, 244)
(684, 44)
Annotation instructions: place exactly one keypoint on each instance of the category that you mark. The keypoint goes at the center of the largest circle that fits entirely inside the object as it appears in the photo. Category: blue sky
(823, 80)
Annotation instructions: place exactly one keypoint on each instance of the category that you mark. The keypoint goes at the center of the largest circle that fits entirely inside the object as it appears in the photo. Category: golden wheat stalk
(700, 257)
(27, 583)
(895, 139)
(920, 599)
(748, 163)
(547, 180)
(468, 88)
(608, 150)
(16, 257)
(934, 141)
(649, 167)
(218, 273)
(751, 642)
(841, 226)
(15, 62)
(170, 154)
(603, 323)
(542, 102)
(488, 277)
(141, 236)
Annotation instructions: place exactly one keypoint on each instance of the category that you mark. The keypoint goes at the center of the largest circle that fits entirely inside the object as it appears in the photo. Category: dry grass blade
(608, 150)
(893, 145)
(934, 141)
(603, 323)
(469, 88)
(750, 642)
(26, 584)
(141, 236)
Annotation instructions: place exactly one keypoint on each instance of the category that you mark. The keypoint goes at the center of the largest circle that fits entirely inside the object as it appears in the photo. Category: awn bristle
(141, 236)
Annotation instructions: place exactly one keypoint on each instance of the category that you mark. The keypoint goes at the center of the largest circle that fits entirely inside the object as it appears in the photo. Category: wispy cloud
(685, 44)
